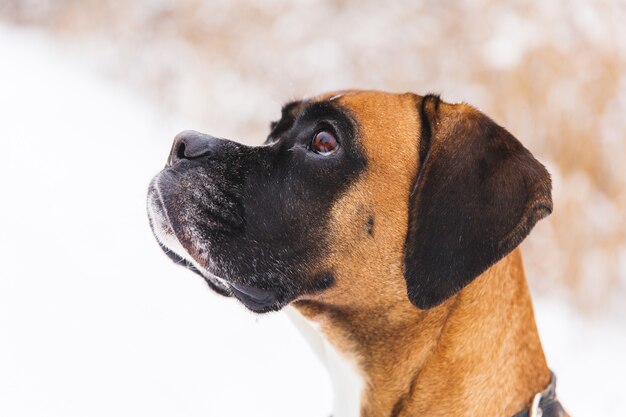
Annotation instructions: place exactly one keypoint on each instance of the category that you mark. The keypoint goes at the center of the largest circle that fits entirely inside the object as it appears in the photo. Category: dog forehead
(388, 124)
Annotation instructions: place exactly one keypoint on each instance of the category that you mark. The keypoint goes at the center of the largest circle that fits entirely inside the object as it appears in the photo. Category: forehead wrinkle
(333, 95)
(343, 94)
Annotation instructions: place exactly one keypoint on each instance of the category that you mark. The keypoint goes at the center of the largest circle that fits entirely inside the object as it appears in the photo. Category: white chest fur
(347, 382)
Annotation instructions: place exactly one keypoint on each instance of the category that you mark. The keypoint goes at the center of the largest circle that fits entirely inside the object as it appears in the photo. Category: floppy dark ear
(477, 195)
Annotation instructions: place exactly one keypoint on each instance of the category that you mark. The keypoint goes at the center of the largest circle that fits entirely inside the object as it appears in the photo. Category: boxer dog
(391, 223)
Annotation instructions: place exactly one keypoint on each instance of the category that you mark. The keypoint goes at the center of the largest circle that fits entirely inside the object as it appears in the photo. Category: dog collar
(545, 403)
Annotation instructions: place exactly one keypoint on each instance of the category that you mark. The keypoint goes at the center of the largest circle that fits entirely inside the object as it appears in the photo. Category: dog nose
(190, 144)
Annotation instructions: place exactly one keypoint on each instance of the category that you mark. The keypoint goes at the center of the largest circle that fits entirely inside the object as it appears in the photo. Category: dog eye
(324, 143)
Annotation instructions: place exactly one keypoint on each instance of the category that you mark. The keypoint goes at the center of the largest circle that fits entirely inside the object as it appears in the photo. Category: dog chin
(171, 245)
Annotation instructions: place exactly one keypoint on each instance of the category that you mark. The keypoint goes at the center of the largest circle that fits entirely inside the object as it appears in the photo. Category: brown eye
(324, 143)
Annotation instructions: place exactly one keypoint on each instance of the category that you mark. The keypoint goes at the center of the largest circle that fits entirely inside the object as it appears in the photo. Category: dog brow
(287, 117)
(290, 106)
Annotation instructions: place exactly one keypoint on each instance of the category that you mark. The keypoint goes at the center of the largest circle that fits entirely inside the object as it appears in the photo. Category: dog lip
(256, 299)
(256, 294)
(170, 243)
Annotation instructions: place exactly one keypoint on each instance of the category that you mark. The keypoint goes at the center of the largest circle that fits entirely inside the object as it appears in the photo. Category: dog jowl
(356, 197)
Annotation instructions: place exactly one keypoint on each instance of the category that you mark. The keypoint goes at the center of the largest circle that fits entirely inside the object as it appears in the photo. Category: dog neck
(476, 354)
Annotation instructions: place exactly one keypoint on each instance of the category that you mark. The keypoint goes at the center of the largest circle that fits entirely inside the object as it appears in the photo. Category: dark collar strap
(546, 405)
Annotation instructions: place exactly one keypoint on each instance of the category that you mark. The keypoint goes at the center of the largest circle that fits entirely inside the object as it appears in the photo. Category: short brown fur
(478, 353)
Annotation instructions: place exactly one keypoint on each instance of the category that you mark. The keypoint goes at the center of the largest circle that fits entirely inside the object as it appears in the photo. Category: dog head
(355, 197)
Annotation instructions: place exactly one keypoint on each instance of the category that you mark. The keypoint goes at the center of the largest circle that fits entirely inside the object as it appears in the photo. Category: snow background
(95, 320)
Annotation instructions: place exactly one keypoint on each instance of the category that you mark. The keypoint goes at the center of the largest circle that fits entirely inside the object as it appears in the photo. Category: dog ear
(477, 195)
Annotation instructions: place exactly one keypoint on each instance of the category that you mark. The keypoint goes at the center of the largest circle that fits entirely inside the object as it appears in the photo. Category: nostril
(180, 151)
(191, 145)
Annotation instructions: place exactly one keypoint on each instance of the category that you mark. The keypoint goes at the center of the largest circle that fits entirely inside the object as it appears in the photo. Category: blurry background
(91, 93)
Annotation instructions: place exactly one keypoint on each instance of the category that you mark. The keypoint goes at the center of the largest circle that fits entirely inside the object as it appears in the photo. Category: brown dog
(390, 221)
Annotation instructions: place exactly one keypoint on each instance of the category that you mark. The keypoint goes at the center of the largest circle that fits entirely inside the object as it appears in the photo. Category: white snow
(96, 321)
